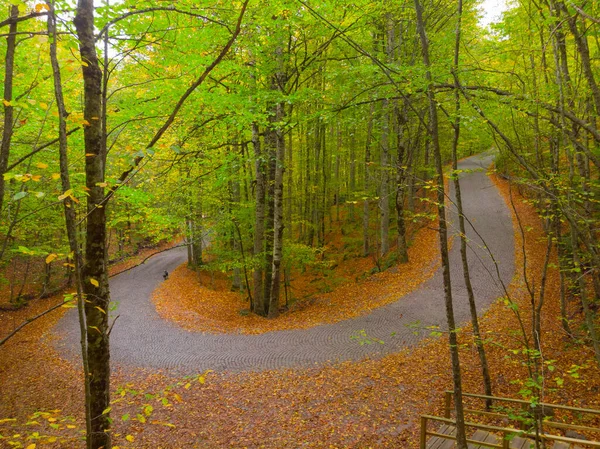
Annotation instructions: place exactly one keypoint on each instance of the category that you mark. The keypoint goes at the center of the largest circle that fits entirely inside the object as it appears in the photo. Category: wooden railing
(505, 432)
(508, 432)
(450, 394)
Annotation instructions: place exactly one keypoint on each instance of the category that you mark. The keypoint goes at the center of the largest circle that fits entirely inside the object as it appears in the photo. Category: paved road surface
(141, 338)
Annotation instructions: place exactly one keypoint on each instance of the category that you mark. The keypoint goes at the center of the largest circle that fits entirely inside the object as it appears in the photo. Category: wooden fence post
(423, 432)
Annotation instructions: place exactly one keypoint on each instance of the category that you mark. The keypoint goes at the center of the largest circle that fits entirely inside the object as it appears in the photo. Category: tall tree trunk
(384, 200)
(401, 170)
(485, 372)
(95, 276)
(584, 52)
(278, 215)
(69, 211)
(461, 438)
(7, 129)
(259, 224)
(367, 184)
(590, 316)
(271, 148)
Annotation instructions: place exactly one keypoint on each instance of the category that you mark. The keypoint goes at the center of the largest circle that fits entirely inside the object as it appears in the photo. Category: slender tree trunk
(278, 216)
(271, 147)
(590, 316)
(69, 211)
(367, 184)
(384, 201)
(401, 170)
(584, 53)
(461, 438)
(259, 224)
(236, 243)
(95, 276)
(485, 372)
(7, 129)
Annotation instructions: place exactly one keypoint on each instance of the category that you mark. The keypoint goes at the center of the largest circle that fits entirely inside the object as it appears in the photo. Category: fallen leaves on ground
(198, 301)
(372, 403)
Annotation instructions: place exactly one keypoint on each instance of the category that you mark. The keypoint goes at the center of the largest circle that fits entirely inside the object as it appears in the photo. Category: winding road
(140, 338)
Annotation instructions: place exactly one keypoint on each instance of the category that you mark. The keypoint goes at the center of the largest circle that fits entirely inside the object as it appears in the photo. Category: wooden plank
(437, 442)
(448, 444)
(561, 445)
(547, 437)
(479, 435)
(521, 443)
(491, 438)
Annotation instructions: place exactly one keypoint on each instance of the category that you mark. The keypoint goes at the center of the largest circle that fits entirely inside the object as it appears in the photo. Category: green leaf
(20, 195)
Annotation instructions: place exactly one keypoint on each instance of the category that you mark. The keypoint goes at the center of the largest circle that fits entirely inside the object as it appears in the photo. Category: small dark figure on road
(166, 275)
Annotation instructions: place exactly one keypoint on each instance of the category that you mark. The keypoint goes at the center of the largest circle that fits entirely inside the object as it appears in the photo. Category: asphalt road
(140, 338)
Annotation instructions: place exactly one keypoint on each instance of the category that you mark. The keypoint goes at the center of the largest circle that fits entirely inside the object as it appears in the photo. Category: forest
(299, 224)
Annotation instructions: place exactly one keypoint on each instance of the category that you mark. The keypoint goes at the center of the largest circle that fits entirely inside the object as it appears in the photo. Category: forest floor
(367, 404)
(204, 301)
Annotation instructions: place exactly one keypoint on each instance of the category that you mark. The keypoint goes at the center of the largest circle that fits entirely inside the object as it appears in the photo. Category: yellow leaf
(6, 103)
(71, 426)
(52, 440)
(85, 64)
(51, 257)
(55, 175)
(85, 123)
(94, 282)
(130, 438)
(66, 194)
(31, 101)
(40, 7)
(41, 165)
(187, 386)
(43, 106)
(31, 446)
(101, 309)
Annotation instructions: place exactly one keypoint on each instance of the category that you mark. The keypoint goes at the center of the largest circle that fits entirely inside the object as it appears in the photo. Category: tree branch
(38, 149)
(30, 320)
(159, 8)
(183, 99)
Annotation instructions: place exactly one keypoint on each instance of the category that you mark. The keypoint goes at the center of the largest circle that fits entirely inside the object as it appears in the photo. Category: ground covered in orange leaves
(199, 301)
(369, 404)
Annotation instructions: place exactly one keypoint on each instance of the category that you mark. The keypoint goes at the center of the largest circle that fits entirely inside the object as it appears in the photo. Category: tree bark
(384, 201)
(367, 184)
(485, 372)
(461, 438)
(259, 224)
(69, 209)
(401, 169)
(94, 273)
(7, 130)
(278, 215)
